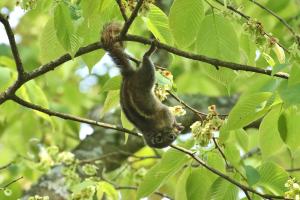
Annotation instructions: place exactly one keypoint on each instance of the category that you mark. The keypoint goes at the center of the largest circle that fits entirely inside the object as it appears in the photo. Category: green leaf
(278, 68)
(198, 184)
(273, 178)
(232, 154)
(248, 48)
(33, 93)
(290, 93)
(7, 62)
(111, 101)
(221, 189)
(248, 109)
(185, 18)
(252, 175)
(294, 75)
(217, 39)
(49, 46)
(170, 163)
(180, 191)
(113, 83)
(289, 126)
(108, 189)
(242, 138)
(5, 78)
(268, 132)
(126, 124)
(90, 7)
(157, 23)
(65, 30)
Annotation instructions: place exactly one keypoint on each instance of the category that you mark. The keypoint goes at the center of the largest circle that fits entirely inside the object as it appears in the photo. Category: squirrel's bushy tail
(115, 49)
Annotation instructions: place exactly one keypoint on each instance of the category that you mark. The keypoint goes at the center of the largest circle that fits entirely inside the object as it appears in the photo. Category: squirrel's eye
(172, 137)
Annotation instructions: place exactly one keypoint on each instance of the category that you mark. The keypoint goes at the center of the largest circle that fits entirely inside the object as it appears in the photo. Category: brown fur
(138, 102)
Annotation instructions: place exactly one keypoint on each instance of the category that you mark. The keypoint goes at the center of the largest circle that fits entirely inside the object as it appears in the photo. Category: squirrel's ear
(178, 127)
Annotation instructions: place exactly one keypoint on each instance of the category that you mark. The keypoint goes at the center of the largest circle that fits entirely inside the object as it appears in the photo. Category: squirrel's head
(163, 137)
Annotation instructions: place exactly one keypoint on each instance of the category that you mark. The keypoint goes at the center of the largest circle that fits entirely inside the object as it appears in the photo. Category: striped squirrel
(138, 101)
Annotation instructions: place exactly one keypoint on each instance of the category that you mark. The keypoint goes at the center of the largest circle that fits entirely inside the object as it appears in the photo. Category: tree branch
(13, 45)
(131, 18)
(71, 117)
(202, 58)
(220, 174)
(122, 10)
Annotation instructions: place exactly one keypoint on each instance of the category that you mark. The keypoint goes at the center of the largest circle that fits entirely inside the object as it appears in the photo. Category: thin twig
(6, 166)
(10, 183)
(220, 174)
(13, 45)
(275, 15)
(293, 170)
(122, 10)
(135, 188)
(131, 18)
(247, 194)
(225, 159)
(248, 18)
(198, 113)
(71, 117)
(252, 152)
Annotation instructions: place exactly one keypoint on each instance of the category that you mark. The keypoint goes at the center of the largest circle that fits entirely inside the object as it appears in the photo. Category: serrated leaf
(273, 177)
(218, 39)
(252, 175)
(49, 46)
(157, 23)
(185, 18)
(170, 163)
(268, 131)
(111, 101)
(248, 109)
(221, 189)
(113, 83)
(65, 30)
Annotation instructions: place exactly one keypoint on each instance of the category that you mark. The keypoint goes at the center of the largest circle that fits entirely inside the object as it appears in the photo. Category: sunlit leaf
(185, 18)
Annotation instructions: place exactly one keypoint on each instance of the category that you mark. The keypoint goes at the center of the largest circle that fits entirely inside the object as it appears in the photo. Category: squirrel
(138, 101)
